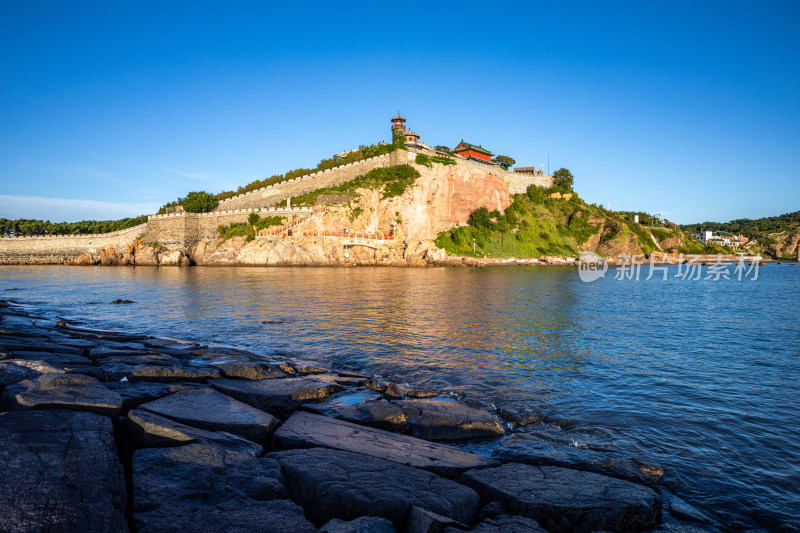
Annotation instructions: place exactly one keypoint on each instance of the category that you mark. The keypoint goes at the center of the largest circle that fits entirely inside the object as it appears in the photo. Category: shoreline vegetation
(114, 431)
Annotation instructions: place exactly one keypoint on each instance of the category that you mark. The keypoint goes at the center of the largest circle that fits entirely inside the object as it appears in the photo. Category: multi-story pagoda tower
(398, 125)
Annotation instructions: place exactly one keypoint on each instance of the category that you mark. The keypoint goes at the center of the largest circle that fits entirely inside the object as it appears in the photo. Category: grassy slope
(536, 224)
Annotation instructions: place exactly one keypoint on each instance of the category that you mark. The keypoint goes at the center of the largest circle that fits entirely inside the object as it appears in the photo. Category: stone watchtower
(398, 125)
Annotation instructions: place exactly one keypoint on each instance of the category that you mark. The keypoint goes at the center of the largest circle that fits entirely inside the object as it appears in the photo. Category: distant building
(529, 171)
(471, 151)
(722, 238)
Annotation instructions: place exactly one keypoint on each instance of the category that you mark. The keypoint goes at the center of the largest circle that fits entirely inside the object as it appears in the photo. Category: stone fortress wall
(179, 230)
(58, 248)
(269, 196)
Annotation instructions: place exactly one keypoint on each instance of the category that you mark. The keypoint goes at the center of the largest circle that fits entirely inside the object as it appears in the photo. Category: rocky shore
(109, 431)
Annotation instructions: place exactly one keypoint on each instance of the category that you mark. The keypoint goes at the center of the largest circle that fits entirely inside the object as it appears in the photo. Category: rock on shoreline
(236, 447)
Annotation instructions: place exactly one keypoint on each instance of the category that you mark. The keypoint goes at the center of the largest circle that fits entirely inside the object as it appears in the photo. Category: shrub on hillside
(198, 202)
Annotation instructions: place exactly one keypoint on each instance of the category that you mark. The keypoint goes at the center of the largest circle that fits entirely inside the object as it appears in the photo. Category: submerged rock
(353, 485)
(207, 488)
(563, 500)
(306, 430)
(60, 472)
(211, 410)
(62, 391)
(445, 420)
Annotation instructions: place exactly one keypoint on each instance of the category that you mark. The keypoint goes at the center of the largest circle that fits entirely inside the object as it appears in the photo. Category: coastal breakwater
(233, 440)
(183, 231)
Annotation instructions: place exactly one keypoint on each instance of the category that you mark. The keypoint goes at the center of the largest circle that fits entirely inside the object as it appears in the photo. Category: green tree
(504, 161)
(442, 148)
(252, 219)
(563, 178)
(198, 202)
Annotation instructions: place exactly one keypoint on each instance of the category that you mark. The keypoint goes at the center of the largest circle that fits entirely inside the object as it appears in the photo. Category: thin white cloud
(69, 209)
(197, 176)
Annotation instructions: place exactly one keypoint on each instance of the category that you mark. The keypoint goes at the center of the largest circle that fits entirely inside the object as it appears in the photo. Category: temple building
(471, 151)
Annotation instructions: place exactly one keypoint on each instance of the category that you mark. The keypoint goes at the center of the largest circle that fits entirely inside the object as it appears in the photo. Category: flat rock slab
(376, 414)
(60, 472)
(446, 420)
(212, 410)
(252, 370)
(207, 488)
(561, 499)
(134, 359)
(135, 394)
(364, 524)
(351, 485)
(11, 373)
(62, 359)
(166, 374)
(534, 450)
(62, 391)
(149, 430)
(307, 430)
(277, 396)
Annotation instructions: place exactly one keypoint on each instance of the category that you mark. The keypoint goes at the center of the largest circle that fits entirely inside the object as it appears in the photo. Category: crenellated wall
(269, 196)
(58, 248)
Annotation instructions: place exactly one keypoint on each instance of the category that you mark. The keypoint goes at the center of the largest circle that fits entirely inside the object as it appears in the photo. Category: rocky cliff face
(781, 245)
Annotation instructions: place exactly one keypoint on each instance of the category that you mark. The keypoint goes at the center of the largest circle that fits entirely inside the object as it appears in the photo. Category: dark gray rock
(135, 394)
(165, 374)
(519, 417)
(307, 430)
(446, 420)
(352, 485)
(8, 344)
(374, 384)
(252, 370)
(143, 358)
(393, 391)
(207, 488)
(421, 393)
(212, 410)
(11, 373)
(374, 413)
(48, 357)
(504, 524)
(148, 430)
(60, 472)
(277, 396)
(532, 449)
(86, 370)
(421, 520)
(364, 524)
(561, 499)
(62, 391)
(115, 371)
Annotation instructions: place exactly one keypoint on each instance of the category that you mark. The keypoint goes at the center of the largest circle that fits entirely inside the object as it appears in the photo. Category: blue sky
(111, 109)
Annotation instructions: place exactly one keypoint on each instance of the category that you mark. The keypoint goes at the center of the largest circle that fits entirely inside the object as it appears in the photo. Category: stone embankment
(108, 431)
